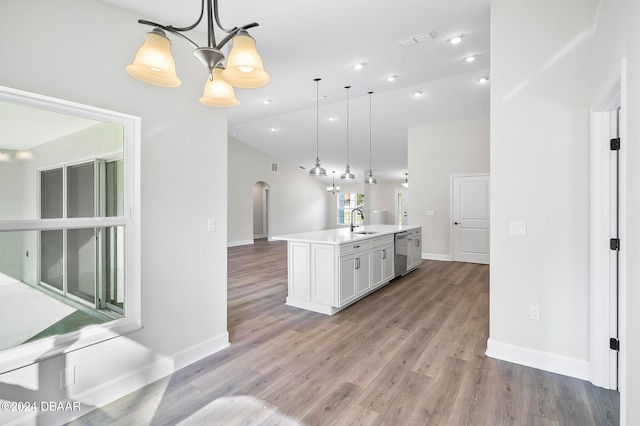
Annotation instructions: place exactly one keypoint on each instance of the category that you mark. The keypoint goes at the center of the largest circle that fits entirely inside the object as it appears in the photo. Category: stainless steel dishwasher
(401, 246)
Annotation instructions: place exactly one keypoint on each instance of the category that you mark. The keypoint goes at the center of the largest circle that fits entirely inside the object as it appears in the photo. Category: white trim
(201, 350)
(603, 367)
(436, 256)
(568, 366)
(30, 353)
(239, 243)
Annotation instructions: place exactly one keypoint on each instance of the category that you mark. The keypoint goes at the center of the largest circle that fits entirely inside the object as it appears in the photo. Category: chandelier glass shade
(218, 92)
(154, 63)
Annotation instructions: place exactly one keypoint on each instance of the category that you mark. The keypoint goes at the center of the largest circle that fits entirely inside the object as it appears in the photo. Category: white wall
(77, 51)
(437, 151)
(540, 174)
(298, 202)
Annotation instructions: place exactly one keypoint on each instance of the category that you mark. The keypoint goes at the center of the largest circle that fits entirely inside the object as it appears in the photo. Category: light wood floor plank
(411, 353)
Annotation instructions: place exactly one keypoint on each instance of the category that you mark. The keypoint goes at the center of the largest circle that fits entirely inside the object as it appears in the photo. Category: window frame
(359, 220)
(48, 347)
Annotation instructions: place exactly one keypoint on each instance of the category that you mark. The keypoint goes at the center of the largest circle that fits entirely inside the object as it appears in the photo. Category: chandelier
(154, 63)
(333, 188)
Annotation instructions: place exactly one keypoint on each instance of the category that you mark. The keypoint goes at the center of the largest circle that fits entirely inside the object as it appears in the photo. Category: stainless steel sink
(365, 232)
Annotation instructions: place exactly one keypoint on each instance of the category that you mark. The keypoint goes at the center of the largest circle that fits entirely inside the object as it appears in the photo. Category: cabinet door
(387, 263)
(347, 285)
(414, 251)
(377, 266)
(363, 272)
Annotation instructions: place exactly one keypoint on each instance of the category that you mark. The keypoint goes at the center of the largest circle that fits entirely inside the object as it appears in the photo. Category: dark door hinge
(614, 243)
(615, 144)
(614, 344)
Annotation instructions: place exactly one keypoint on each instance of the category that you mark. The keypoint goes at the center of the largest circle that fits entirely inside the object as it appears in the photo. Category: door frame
(451, 206)
(604, 309)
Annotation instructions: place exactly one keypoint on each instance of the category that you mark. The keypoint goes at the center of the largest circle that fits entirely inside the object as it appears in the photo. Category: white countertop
(344, 235)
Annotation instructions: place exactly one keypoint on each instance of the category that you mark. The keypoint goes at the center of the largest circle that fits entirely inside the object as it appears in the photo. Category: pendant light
(347, 175)
(406, 180)
(333, 188)
(317, 170)
(370, 180)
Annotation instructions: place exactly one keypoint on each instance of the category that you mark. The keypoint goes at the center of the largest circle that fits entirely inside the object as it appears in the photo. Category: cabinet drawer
(381, 241)
(354, 246)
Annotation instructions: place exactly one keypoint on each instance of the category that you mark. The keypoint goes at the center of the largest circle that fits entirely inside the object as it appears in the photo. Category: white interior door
(470, 218)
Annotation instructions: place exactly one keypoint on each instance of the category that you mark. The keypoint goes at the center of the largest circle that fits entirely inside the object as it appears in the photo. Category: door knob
(456, 223)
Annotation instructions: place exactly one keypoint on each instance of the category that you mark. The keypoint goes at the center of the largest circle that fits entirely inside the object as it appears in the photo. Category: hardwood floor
(411, 353)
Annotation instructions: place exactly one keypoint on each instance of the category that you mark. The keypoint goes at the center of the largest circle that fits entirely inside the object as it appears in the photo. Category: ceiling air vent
(274, 167)
(417, 39)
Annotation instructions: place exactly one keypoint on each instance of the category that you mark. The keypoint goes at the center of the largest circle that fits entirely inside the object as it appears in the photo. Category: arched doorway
(260, 210)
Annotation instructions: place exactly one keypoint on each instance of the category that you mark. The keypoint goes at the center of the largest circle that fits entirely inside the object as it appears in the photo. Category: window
(346, 203)
(69, 226)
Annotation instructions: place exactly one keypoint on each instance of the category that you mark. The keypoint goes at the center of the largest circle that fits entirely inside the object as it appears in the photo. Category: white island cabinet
(329, 270)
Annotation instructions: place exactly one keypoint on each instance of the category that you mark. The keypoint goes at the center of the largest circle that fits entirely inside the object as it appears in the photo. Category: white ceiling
(24, 127)
(300, 40)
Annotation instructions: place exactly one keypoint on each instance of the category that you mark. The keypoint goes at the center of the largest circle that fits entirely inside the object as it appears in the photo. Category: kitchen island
(331, 269)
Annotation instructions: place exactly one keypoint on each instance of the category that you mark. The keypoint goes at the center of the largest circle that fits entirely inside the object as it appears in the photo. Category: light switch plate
(211, 225)
(518, 228)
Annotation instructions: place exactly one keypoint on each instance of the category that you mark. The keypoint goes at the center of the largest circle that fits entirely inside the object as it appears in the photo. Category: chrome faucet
(357, 209)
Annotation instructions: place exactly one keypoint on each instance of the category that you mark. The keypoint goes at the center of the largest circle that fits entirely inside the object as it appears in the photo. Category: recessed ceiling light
(483, 79)
(273, 129)
(267, 101)
(456, 39)
(392, 78)
(470, 58)
(331, 118)
(417, 94)
(359, 66)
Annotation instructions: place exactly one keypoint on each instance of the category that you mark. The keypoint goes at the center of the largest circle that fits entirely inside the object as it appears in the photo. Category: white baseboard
(435, 256)
(547, 361)
(239, 243)
(201, 350)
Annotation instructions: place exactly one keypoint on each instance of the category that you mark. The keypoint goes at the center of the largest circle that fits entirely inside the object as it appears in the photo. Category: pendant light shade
(244, 65)
(347, 175)
(217, 92)
(154, 62)
(317, 170)
(370, 179)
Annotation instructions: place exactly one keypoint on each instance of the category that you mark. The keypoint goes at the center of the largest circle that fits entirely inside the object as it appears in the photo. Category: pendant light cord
(347, 87)
(317, 80)
(370, 93)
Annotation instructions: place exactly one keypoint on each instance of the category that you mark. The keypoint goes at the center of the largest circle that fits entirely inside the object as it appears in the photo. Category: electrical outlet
(534, 312)
(67, 376)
